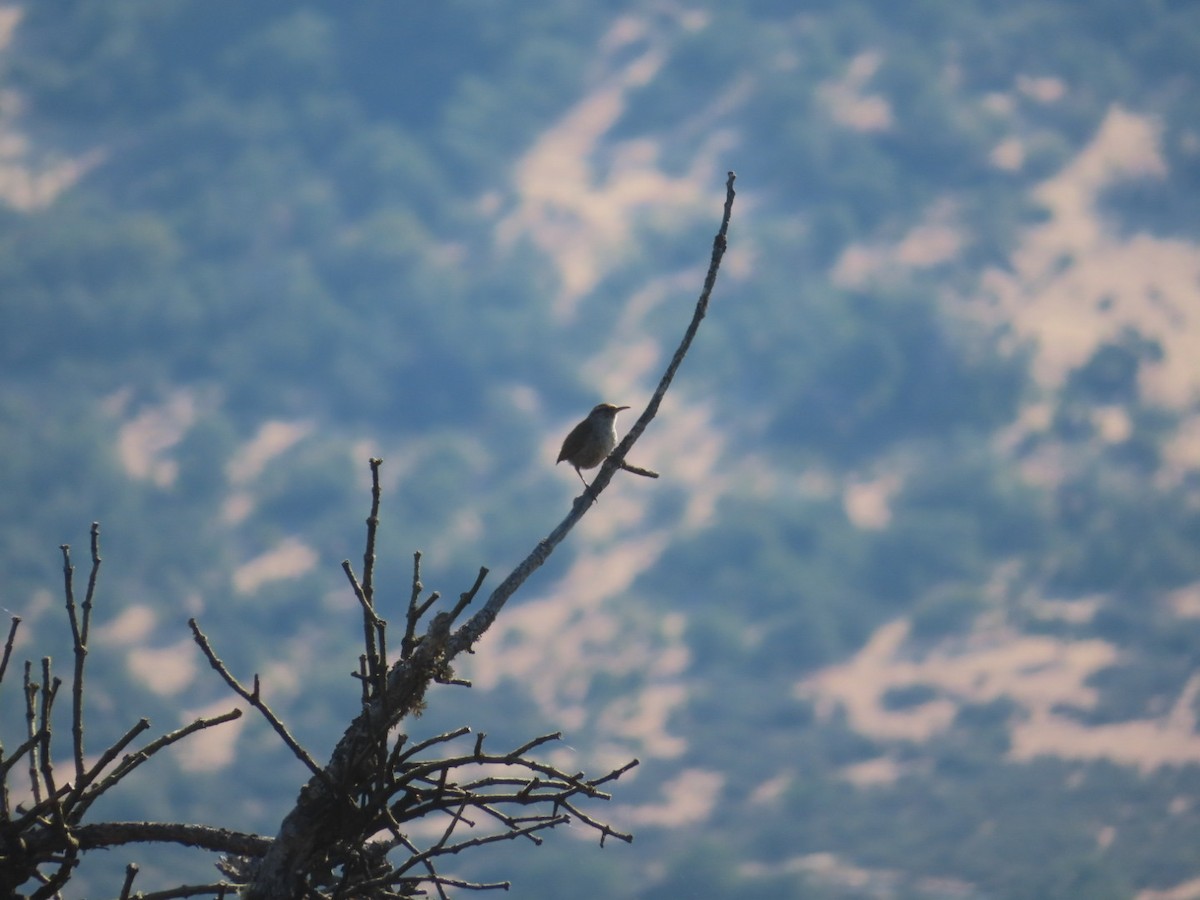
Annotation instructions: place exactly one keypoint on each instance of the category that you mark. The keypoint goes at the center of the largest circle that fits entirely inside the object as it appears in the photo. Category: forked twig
(254, 698)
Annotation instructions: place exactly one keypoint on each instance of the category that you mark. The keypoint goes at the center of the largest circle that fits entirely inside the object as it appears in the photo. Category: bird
(590, 442)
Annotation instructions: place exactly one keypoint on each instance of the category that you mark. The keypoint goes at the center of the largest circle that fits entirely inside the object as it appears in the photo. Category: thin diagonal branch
(8, 646)
(466, 636)
(131, 871)
(131, 762)
(255, 700)
(479, 842)
(40, 810)
(424, 745)
(465, 599)
(93, 577)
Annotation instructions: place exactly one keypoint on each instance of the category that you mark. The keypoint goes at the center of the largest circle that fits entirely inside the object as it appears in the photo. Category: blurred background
(914, 611)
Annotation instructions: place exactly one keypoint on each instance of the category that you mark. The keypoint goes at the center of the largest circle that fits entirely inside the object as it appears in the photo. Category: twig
(616, 773)
(470, 885)
(604, 829)
(536, 742)
(465, 599)
(93, 577)
(131, 762)
(31, 691)
(6, 764)
(80, 638)
(360, 594)
(80, 653)
(253, 698)
(71, 810)
(189, 890)
(49, 692)
(434, 879)
(416, 609)
(372, 669)
(479, 842)
(131, 871)
(69, 590)
(720, 241)
(15, 757)
(374, 640)
(638, 470)
(8, 645)
(54, 883)
(381, 662)
(372, 526)
(429, 742)
(376, 669)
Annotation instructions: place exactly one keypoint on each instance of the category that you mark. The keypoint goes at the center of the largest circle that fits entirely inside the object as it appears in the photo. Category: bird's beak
(619, 408)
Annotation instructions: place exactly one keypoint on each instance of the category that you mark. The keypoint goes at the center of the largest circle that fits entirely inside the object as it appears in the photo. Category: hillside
(914, 610)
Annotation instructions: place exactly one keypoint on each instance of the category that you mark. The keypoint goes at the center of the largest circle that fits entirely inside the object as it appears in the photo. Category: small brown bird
(590, 442)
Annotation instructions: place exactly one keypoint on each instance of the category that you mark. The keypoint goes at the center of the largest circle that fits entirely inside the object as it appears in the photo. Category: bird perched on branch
(590, 442)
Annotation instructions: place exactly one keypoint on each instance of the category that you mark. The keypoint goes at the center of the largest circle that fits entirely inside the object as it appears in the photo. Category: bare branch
(375, 667)
(8, 646)
(131, 871)
(429, 742)
(416, 609)
(93, 577)
(31, 731)
(469, 633)
(536, 742)
(464, 600)
(46, 830)
(616, 773)
(372, 666)
(69, 590)
(637, 470)
(219, 889)
(470, 885)
(49, 692)
(80, 637)
(480, 841)
(361, 595)
(129, 763)
(88, 777)
(372, 526)
(604, 829)
(253, 698)
(374, 627)
(204, 837)
(27, 747)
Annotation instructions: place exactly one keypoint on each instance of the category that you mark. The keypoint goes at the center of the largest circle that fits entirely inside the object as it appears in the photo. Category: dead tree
(350, 833)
